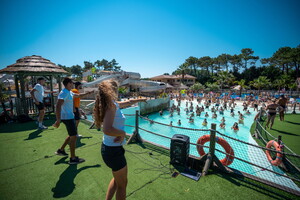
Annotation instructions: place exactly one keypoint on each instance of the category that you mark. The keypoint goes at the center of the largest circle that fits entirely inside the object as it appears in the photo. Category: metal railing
(249, 158)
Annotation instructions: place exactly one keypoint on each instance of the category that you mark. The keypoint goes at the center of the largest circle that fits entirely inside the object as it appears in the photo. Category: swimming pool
(241, 150)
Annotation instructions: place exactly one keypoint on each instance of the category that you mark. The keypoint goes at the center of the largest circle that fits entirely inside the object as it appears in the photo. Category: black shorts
(77, 114)
(113, 157)
(41, 106)
(71, 126)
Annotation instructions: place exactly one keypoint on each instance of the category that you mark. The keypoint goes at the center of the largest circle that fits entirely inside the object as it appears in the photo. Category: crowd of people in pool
(214, 105)
(217, 104)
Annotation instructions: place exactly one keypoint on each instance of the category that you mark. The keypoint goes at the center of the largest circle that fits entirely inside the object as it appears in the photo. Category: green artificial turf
(30, 170)
(289, 129)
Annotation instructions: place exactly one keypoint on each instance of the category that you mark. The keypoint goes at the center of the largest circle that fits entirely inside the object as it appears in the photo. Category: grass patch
(288, 129)
(30, 170)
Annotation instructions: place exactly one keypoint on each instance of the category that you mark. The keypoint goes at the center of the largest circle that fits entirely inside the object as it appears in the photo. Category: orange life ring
(228, 158)
(279, 156)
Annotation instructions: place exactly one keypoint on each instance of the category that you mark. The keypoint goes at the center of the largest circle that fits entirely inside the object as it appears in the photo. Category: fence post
(211, 152)
(135, 135)
(260, 114)
(137, 122)
(212, 144)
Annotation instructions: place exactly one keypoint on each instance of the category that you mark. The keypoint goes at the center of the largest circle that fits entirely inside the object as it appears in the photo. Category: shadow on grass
(295, 123)
(34, 134)
(65, 185)
(20, 127)
(79, 143)
(284, 132)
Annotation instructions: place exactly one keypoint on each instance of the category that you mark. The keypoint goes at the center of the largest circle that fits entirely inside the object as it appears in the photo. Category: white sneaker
(43, 127)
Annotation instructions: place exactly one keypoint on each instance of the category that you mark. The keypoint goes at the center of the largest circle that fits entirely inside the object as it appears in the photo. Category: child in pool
(171, 123)
(223, 120)
(214, 116)
(235, 126)
(206, 114)
(241, 120)
(179, 122)
(160, 112)
(204, 123)
(222, 125)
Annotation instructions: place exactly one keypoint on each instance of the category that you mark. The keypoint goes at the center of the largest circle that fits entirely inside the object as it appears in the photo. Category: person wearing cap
(37, 94)
(77, 102)
(65, 114)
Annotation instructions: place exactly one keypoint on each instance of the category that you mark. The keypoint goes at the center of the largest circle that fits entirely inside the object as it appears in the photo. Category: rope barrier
(298, 180)
(269, 134)
(191, 129)
(264, 148)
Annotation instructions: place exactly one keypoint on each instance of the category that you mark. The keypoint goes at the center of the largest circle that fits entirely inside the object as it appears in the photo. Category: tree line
(98, 65)
(277, 72)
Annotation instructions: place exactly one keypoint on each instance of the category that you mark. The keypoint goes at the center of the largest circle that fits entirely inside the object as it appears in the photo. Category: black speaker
(180, 149)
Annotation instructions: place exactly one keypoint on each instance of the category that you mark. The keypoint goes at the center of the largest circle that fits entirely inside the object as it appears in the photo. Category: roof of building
(187, 76)
(33, 65)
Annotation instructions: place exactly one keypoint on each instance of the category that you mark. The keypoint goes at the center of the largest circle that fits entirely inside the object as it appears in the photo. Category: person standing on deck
(77, 102)
(107, 112)
(65, 114)
(271, 112)
(37, 94)
(282, 102)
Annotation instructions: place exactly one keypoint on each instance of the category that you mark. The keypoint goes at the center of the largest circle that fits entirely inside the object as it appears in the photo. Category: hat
(40, 79)
(77, 83)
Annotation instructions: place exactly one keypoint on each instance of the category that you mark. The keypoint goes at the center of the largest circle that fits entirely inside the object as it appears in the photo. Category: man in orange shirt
(77, 102)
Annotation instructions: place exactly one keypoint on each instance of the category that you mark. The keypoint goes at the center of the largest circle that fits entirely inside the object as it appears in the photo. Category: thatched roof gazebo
(32, 66)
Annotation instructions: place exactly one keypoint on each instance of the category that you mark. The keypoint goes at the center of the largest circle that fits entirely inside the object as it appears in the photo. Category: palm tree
(197, 87)
(182, 70)
(212, 86)
(260, 82)
(223, 78)
(283, 82)
(242, 85)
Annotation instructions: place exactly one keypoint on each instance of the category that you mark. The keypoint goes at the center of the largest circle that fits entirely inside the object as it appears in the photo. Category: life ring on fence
(279, 156)
(228, 158)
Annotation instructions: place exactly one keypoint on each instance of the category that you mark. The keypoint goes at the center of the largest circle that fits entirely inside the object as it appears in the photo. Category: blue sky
(151, 37)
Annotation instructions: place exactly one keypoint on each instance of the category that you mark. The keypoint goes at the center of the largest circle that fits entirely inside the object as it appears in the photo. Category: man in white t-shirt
(65, 114)
(37, 94)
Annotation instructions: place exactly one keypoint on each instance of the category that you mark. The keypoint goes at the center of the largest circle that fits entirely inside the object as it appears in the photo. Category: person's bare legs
(41, 116)
(268, 121)
(111, 190)
(118, 185)
(72, 145)
(77, 123)
(281, 115)
(67, 140)
(272, 118)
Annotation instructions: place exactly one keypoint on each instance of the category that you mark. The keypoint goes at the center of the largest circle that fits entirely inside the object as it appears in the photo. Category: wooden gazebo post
(17, 86)
(23, 97)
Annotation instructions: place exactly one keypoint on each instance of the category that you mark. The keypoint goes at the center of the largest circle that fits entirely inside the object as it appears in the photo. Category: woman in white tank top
(107, 113)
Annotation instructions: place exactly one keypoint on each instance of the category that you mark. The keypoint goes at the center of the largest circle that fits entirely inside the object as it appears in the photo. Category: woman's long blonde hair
(107, 94)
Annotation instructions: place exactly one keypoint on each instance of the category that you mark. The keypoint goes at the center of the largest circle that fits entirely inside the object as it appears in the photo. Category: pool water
(241, 150)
